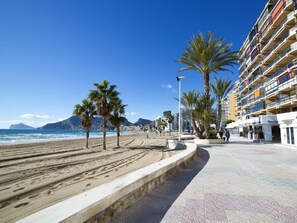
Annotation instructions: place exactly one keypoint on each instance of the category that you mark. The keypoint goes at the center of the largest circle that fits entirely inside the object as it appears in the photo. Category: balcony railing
(279, 42)
(272, 90)
(288, 49)
(257, 107)
(283, 22)
(278, 9)
(243, 102)
(287, 83)
(293, 63)
(265, 26)
(256, 87)
(242, 87)
(282, 101)
(281, 70)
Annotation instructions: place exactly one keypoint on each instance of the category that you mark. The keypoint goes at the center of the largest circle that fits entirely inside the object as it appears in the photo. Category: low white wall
(85, 206)
(208, 141)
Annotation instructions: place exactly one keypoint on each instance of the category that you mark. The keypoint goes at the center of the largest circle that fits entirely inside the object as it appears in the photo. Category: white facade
(264, 127)
(288, 127)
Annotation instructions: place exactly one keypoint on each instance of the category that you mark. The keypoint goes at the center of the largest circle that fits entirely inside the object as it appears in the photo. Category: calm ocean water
(10, 136)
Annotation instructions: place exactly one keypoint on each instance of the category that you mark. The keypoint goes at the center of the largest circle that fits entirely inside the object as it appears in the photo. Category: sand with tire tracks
(34, 176)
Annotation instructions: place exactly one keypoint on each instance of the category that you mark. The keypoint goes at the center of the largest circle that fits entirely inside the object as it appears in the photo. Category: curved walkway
(241, 182)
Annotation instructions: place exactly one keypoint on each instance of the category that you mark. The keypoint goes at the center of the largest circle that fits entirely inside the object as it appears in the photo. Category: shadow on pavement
(152, 207)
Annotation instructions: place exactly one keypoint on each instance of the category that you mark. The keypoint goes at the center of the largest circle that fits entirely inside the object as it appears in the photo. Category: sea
(11, 136)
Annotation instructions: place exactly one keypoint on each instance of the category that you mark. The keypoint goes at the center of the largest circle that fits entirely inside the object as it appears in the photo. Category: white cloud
(131, 113)
(167, 86)
(40, 116)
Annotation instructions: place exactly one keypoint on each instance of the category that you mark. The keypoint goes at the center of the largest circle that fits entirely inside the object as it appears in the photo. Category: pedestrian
(226, 135)
(221, 132)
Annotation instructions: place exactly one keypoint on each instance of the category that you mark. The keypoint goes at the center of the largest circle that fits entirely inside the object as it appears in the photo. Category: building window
(288, 135)
(292, 135)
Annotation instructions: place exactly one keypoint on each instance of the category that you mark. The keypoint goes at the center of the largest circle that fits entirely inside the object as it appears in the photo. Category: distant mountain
(127, 123)
(74, 123)
(142, 121)
(21, 126)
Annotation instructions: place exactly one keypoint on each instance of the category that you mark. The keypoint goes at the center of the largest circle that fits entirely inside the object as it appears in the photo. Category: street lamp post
(179, 105)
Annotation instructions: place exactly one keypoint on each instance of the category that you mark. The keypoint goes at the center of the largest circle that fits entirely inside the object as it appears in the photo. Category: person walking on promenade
(226, 135)
(221, 132)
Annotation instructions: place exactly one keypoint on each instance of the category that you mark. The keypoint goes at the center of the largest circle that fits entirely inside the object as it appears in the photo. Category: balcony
(277, 11)
(283, 58)
(280, 42)
(242, 74)
(271, 88)
(266, 28)
(287, 85)
(242, 87)
(289, 20)
(292, 65)
(242, 66)
(287, 100)
(258, 107)
(256, 79)
(277, 73)
(243, 102)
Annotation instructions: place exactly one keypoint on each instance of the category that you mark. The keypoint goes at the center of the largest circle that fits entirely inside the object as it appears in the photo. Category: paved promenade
(236, 182)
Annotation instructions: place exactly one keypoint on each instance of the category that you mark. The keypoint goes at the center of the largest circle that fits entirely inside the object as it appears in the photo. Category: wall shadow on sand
(152, 207)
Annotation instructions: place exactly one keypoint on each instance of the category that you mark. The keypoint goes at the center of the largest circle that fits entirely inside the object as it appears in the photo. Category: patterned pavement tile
(241, 183)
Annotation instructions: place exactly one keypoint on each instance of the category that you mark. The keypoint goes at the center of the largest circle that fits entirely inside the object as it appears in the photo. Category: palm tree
(116, 118)
(204, 118)
(105, 97)
(206, 55)
(221, 88)
(190, 101)
(86, 111)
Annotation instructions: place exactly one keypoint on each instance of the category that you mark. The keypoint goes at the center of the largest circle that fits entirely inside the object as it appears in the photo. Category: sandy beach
(34, 176)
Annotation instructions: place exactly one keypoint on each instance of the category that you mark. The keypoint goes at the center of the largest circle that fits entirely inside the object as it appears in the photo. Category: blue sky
(52, 51)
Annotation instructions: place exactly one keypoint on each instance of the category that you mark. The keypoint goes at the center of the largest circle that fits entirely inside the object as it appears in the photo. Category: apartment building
(228, 107)
(268, 75)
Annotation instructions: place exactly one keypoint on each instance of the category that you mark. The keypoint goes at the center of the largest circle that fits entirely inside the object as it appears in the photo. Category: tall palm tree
(104, 97)
(86, 111)
(206, 55)
(117, 118)
(190, 101)
(221, 88)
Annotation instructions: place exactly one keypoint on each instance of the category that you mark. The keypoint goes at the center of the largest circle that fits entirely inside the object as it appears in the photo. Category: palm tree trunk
(219, 114)
(194, 124)
(118, 136)
(87, 138)
(104, 133)
(195, 127)
(207, 100)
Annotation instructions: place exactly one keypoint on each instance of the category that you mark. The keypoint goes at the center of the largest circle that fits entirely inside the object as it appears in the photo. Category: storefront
(264, 127)
(288, 128)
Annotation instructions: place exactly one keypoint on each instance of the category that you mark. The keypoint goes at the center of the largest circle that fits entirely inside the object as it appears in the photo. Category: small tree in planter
(200, 118)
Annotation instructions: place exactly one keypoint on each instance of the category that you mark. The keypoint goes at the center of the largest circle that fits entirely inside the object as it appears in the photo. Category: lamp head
(180, 78)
